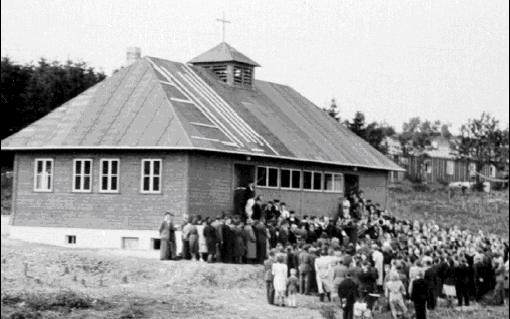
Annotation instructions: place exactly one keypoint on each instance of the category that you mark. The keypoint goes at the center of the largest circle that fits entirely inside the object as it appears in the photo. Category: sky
(442, 60)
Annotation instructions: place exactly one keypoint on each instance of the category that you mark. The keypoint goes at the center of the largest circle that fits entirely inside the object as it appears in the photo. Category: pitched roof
(223, 52)
(159, 104)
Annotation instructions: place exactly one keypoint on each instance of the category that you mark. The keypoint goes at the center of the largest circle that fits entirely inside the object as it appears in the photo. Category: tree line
(480, 140)
(30, 91)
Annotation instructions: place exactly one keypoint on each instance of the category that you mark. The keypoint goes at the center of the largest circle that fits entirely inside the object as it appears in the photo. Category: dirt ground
(40, 281)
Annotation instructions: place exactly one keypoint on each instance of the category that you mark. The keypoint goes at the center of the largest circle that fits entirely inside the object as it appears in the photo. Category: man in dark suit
(348, 293)
(167, 238)
(419, 295)
(432, 279)
(261, 235)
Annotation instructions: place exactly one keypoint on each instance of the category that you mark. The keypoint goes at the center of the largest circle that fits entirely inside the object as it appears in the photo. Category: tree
(374, 133)
(416, 135)
(333, 110)
(28, 92)
(482, 142)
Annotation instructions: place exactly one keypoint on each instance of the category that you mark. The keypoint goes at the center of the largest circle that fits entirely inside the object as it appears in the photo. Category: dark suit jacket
(167, 231)
(419, 291)
(349, 290)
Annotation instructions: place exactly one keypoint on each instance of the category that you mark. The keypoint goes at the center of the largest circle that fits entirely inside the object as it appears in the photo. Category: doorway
(351, 184)
(243, 176)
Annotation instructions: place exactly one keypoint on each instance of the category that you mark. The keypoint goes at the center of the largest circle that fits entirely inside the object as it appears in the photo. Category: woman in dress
(395, 292)
(279, 271)
(202, 246)
(250, 242)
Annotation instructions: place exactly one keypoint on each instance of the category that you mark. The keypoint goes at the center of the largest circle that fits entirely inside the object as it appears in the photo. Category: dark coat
(256, 211)
(210, 238)
(419, 292)
(348, 289)
(167, 231)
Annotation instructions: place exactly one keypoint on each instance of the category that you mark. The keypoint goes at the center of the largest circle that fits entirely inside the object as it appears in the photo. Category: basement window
(129, 242)
(155, 243)
(71, 239)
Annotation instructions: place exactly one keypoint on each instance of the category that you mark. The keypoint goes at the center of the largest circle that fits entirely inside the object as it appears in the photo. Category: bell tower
(229, 65)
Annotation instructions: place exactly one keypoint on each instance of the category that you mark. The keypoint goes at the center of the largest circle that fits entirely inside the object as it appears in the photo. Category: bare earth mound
(41, 281)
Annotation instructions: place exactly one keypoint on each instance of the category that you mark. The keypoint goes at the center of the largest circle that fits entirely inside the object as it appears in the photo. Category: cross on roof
(223, 21)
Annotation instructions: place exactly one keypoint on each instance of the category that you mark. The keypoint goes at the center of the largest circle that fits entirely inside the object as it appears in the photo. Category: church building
(157, 135)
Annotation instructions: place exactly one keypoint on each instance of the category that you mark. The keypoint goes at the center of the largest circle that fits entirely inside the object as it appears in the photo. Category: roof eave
(171, 148)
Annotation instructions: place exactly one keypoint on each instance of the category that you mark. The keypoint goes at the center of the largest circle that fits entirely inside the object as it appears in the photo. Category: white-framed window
(492, 171)
(151, 176)
(428, 167)
(307, 180)
(295, 179)
(43, 175)
(290, 178)
(267, 176)
(317, 181)
(109, 176)
(472, 169)
(82, 175)
(333, 182)
(285, 178)
(450, 167)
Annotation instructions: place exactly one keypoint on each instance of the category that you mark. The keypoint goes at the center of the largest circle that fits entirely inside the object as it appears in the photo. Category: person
(167, 237)
(322, 265)
(257, 208)
(367, 281)
(449, 281)
(419, 295)
(193, 238)
(279, 271)
(499, 289)
(461, 274)
(305, 270)
(348, 293)
(261, 235)
(432, 279)
(284, 212)
(185, 234)
(378, 258)
(210, 240)
(292, 288)
(339, 271)
(268, 277)
(202, 245)
(395, 292)
(239, 247)
(250, 242)
(218, 227)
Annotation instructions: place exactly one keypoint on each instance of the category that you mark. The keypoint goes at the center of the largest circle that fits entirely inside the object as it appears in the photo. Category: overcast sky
(391, 59)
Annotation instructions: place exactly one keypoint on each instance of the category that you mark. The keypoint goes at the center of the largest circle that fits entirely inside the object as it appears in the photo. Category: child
(292, 287)
(279, 271)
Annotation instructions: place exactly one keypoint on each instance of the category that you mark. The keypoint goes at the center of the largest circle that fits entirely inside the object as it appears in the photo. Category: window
(472, 169)
(43, 175)
(492, 171)
(272, 177)
(82, 175)
(71, 239)
(296, 179)
(129, 242)
(450, 167)
(109, 178)
(317, 181)
(307, 180)
(261, 176)
(333, 182)
(285, 178)
(151, 176)
(428, 167)
(267, 176)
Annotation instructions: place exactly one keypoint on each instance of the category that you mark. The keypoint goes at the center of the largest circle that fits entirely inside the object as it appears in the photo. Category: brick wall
(128, 209)
(211, 186)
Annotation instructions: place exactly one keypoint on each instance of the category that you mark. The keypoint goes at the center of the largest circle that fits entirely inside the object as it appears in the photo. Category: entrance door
(351, 184)
(243, 176)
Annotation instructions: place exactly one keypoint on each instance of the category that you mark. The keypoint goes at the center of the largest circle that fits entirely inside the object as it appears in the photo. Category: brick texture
(128, 209)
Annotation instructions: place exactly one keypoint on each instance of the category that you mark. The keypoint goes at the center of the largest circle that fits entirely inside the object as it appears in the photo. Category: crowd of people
(352, 258)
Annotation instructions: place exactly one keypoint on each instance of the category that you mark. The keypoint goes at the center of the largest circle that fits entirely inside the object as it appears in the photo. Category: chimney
(132, 54)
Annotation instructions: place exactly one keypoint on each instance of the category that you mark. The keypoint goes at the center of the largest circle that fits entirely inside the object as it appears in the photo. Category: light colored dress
(202, 245)
(279, 272)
